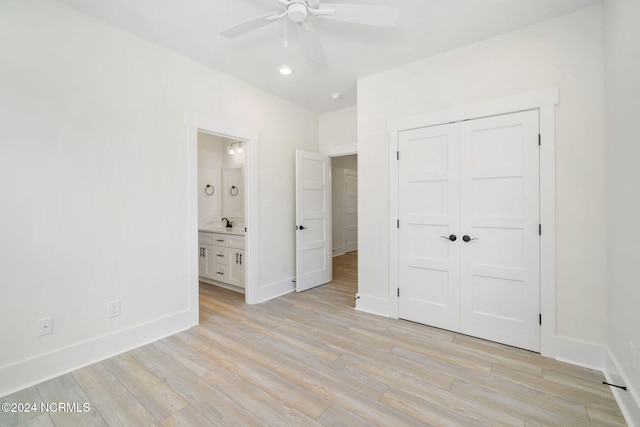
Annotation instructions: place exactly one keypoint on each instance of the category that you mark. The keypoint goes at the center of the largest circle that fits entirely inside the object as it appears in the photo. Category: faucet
(229, 223)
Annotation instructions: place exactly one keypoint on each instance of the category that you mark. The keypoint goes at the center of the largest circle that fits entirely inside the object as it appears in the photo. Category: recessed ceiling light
(336, 96)
(285, 70)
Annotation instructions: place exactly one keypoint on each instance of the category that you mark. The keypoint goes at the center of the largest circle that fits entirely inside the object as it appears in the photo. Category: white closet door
(428, 206)
(499, 206)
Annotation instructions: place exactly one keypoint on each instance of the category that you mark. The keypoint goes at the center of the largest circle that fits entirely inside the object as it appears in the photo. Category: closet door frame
(544, 102)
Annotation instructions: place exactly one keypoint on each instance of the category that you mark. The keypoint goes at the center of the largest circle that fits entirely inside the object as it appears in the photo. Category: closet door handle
(468, 239)
(451, 237)
(236, 257)
(240, 259)
(302, 227)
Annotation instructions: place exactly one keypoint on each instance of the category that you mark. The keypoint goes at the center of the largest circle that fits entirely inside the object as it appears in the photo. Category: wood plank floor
(309, 359)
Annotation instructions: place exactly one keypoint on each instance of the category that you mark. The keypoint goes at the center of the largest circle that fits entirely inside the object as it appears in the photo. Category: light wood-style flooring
(310, 359)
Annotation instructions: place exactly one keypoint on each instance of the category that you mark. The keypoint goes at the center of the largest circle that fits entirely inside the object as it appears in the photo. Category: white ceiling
(425, 28)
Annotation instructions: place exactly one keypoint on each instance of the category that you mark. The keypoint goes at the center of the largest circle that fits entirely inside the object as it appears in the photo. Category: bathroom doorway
(248, 138)
(221, 215)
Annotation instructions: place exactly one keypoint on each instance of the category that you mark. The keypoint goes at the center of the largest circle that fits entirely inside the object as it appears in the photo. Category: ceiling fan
(299, 13)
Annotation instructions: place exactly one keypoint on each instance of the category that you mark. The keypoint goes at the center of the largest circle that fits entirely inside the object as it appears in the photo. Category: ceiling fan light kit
(297, 12)
(300, 13)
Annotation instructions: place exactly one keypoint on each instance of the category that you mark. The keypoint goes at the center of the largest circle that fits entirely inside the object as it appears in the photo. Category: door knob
(451, 237)
(302, 227)
(468, 239)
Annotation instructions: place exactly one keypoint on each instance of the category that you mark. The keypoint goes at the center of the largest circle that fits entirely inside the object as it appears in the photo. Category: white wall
(213, 160)
(209, 173)
(567, 53)
(338, 131)
(94, 184)
(622, 65)
(338, 166)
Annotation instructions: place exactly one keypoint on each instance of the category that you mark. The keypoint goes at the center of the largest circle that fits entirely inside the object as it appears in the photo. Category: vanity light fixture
(234, 147)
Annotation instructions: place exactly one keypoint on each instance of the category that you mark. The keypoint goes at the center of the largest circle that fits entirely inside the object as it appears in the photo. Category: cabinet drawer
(236, 242)
(219, 239)
(230, 241)
(206, 238)
(221, 273)
(221, 254)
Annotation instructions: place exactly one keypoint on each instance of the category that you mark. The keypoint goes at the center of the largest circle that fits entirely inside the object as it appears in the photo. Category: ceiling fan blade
(250, 25)
(360, 14)
(310, 40)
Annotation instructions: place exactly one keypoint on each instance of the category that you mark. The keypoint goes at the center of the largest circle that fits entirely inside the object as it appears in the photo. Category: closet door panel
(428, 207)
(499, 211)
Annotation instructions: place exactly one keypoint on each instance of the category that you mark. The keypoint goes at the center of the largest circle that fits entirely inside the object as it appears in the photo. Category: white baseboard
(629, 400)
(601, 359)
(222, 285)
(44, 367)
(373, 305)
(586, 355)
(274, 290)
(338, 251)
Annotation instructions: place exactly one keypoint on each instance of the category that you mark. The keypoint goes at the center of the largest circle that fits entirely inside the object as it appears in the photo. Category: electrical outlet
(45, 326)
(283, 266)
(113, 308)
(633, 356)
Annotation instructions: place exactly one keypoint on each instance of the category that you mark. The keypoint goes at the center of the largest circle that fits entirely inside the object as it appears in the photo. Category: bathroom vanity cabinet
(222, 258)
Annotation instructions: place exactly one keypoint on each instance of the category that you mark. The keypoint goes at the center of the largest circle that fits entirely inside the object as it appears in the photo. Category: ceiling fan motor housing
(297, 11)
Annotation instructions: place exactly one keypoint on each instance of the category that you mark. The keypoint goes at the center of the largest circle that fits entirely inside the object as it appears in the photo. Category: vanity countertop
(237, 231)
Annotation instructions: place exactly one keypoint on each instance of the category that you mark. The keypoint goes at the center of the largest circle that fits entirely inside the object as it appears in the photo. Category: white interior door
(350, 210)
(499, 206)
(477, 182)
(429, 262)
(313, 220)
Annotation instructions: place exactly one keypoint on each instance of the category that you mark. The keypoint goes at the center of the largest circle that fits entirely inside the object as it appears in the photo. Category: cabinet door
(201, 261)
(236, 267)
(208, 263)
